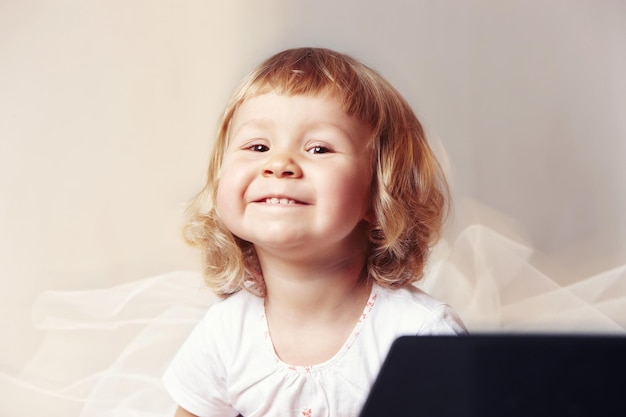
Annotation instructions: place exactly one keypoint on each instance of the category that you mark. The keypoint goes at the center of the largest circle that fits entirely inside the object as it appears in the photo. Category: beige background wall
(107, 108)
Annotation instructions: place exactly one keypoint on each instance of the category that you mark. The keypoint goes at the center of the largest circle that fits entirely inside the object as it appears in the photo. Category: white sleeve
(196, 377)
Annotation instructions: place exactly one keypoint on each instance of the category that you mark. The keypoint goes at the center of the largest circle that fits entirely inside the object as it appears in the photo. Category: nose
(282, 165)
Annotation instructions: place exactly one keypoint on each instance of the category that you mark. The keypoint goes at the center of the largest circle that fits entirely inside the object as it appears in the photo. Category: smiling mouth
(280, 201)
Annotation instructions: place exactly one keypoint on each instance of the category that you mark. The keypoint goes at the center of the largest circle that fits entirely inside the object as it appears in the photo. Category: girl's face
(296, 175)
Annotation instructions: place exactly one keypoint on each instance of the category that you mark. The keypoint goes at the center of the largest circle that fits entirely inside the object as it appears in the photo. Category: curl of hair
(409, 193)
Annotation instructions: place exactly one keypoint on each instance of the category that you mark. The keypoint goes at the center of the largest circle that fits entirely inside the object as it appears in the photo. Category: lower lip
(290, 205)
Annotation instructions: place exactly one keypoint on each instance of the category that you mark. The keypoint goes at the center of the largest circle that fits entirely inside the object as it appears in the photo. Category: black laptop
(503, 376)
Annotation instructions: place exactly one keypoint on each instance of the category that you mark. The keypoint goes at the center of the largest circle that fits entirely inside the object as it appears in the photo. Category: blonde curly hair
(409, 194)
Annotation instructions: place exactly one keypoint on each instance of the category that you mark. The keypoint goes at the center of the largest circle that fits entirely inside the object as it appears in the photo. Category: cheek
(231, 190)
(353, 194)
(227, 199)
(226, 192)
(227, 206)
(220, 199)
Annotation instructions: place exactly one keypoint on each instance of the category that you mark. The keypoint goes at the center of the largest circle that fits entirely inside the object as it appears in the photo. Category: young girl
(321, 203)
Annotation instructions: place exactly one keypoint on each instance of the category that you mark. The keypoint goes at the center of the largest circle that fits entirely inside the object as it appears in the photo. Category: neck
(318, 299)
(309, 291)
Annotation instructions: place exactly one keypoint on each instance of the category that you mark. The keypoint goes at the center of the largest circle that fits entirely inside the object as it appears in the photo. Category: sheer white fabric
(104, 351)
(491, 282)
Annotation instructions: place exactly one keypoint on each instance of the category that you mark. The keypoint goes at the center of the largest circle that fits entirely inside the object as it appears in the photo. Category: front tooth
(284, 201)
(274, 200)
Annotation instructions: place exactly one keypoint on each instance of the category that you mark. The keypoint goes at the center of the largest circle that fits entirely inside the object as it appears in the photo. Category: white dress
(228, 365)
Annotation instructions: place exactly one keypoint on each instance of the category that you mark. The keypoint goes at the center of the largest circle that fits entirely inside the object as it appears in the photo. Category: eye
(319, 149)
(259, 148)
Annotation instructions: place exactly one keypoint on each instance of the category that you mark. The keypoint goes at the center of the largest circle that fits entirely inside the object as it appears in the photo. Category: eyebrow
(256, 123)
(268, 123)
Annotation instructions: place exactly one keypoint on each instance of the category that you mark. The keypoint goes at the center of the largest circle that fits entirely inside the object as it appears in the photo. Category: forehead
(272, 110)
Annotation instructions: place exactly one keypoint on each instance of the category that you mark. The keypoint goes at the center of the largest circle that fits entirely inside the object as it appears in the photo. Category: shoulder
(223, 325)
(198, 375)
(232, 313)
(416, 310)
(239, 304)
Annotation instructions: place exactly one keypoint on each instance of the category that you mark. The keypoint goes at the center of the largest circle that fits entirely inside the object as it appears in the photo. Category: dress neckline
(350, 340)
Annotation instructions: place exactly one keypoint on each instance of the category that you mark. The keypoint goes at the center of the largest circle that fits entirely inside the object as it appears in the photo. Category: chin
(280, 243)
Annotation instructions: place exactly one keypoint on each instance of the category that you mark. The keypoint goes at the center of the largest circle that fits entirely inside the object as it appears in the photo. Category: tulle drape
(105, 350)
(490, 280)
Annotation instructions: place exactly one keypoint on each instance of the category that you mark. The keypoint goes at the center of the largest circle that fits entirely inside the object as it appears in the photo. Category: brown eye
(259, 148)
(319, 150)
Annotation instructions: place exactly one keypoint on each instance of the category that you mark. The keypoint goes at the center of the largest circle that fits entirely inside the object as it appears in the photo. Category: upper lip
(279, 197)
